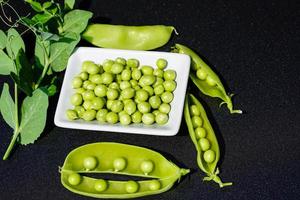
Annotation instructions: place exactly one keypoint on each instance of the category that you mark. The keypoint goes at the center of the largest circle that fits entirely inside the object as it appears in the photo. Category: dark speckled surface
(254, 46)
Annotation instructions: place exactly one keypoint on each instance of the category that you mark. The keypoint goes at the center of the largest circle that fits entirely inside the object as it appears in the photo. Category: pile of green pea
(209, 155)
(122, 91)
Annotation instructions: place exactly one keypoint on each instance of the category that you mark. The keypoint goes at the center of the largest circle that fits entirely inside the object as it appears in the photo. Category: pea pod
(206, 79)
(128, 37)
(123, 159)
(204, 139)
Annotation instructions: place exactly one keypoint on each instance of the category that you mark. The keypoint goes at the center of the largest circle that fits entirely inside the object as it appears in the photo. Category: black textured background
(253, 46)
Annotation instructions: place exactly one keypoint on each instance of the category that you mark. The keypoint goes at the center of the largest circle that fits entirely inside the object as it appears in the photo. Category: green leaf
(69, 4)
(42, 18)
(24, 76)
(60, 51)
(3, 40)
(76, 21)
(34, 114)
(7, 106)
(37, 6)
(42, 48)
(14, 43)
(47, 4)
(6, 64)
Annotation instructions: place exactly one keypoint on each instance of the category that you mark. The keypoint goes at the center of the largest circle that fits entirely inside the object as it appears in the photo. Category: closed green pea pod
(208, 153)
(128, 37)
(160, 173)
(206, 79)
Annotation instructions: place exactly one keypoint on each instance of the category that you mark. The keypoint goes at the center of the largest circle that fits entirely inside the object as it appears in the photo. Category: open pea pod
(123, 159)
(205, 78)
(204, 139)
(128, 37)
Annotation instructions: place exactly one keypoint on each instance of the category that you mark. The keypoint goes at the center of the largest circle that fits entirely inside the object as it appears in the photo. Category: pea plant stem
(16, 131)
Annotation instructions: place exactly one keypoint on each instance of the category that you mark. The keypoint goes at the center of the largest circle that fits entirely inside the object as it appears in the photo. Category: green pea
(88, 95)
(131, 187)
(93, 69)
(148, 118)
(134, 63)
(117, 68)
(128, 93)
(109, 103)
(107, 64)
(96, 78)
(141, 95)
(209, 156)
(86, 65)
(170, 74)
(126, 75)
(100, 185)
(100, 90)
(136, 74)
(74, 179)
(133, 83)
(90, 163)
(147, 166)
(112, 117)
(117, 106)
(169, 85)
(161, 118)
(84, 76)
(210, 81)
(91, 86)
(144, 107)
(130, 107)
(88, 105)
(89, 115)
(107, 78)
(204, 144)
(136, 117)
(161, 63)
(149, 89)
(137, 87)
(122, 113)
(80, 90)
(112, 94)
(158, 81)
(77, 82)
(76, 99)
(167, 97)
(119, 164)
(98, 103)
(164, 108)
(147, 70)
(80, 110)
(124, 85)
(197, 121)
(121, 61)
(86, 83)
(201, 74)
(159, 89)
(155, 112)
(114, 85)
(154, 185)
(71, 114)
(155, 102)
(158, 73)
(200, 132)
(147, 80)
(125, 119)
(194, 110)
(101, 115)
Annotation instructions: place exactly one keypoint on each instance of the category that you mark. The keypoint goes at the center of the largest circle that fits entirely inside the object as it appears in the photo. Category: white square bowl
(178, 62)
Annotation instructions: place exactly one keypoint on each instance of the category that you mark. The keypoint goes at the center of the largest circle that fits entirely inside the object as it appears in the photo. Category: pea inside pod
(128, 37)
(206, 143)
(136, 161)
(206, 79)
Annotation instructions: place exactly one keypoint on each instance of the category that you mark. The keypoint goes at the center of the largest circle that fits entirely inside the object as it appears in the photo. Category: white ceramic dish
(178, 62)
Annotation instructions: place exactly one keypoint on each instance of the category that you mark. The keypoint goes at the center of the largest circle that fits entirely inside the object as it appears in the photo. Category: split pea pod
(204, 139)
(206, 79)
(122, 159)
(128, 37)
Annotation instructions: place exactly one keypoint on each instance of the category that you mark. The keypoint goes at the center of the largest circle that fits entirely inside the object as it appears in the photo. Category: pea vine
(56, 28)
